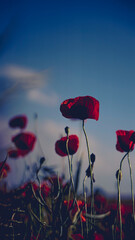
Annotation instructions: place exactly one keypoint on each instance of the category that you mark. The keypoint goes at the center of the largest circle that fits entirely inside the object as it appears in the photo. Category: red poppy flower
(80, 108)
(18, 121)
(5, 169)
(124, 144)
(25, 142)
(73, 145)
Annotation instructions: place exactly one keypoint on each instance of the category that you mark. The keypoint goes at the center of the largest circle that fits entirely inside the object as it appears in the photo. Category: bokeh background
(53, 50)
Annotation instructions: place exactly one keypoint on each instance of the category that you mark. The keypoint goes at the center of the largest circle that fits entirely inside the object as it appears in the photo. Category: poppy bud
(67, 130)
(119, 174)
(92, 158)
(42, 160)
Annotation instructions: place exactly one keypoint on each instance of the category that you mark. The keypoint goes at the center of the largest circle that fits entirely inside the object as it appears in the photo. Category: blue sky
(54, 50)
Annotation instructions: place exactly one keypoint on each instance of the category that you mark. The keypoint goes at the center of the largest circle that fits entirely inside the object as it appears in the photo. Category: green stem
(70, 170)
(85, 201)
(131, 182)
(91, 177)
(2, 166)
(118, 185)
(119, 204)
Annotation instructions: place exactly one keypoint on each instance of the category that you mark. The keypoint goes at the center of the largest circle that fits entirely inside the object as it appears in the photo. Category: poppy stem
(85, 201)
(70, 171)
(119, 204)
(91, 177)
(2, 166)
(131, 182)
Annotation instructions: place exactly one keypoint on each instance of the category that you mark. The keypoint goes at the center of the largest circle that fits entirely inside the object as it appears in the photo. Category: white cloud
(22, 76)
(42, 98)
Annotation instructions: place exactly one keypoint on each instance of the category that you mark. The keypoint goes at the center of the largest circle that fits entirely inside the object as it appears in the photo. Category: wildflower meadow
(50, 208)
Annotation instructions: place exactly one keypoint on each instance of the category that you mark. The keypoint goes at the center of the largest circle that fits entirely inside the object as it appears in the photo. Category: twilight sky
(54, 50)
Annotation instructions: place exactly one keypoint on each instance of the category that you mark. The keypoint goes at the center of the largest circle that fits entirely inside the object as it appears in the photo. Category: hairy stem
(131, 182)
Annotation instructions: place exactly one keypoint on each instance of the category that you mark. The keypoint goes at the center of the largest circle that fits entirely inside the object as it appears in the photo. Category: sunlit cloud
(43, 98)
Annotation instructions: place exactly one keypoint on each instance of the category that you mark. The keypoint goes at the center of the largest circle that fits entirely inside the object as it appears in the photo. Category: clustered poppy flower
(73, 145)
(124, 140)
(18, 121)
(25, 142)
(5, 169)
(80, 108)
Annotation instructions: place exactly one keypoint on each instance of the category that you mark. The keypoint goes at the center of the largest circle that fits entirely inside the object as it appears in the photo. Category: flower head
(80, 108)
(18, 121)
(73, 145)
(124, 143)
(25, 142)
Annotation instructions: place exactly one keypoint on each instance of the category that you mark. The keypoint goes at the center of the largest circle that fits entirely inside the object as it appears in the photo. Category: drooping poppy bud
(92, 158)
(119, 174)
(67, 129)
(42, 160)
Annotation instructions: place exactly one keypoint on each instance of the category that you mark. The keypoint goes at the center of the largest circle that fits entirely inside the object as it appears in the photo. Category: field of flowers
(50, 208)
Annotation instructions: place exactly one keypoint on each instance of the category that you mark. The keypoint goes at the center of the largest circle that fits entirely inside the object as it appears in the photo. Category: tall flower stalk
(91, 177)
(119, 176)
(70, 164)
(85, 201)
(131, 183)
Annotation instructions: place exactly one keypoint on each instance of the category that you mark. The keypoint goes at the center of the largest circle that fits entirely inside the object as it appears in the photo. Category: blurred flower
(14, 153)
(100, 203)
(75, 208)
(18, 121)
(25, 142)
(124, 143)
(45, 189)
(73, 145)
(98, 236)
(5, 169)
(80, 108)
(77, 236)
(27, 192)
